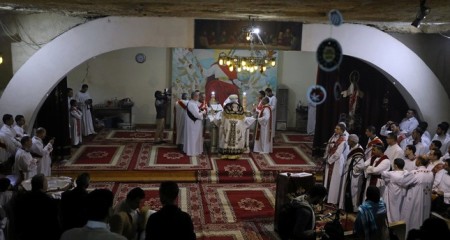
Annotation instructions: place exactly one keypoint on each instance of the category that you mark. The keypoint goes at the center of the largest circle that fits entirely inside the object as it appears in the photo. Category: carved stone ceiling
(387, 15)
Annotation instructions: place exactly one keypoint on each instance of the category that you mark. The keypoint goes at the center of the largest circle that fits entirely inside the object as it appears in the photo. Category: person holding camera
(161, 110)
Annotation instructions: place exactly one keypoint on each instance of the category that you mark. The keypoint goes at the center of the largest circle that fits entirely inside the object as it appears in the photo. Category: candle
(244, 101)
(213, 98)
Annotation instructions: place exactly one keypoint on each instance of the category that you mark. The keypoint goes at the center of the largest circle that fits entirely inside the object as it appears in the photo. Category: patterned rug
(131, 135)
(241, 170)
(99, 157)
(285, 158)
(168, 157)
(233, 231)
(297, 138)
(189, 198)
(102, 185)
(231, 203)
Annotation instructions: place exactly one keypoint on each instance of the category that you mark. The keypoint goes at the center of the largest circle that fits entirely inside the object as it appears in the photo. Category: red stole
(181, 103)
(258, 126)
(375, 140)
(260, 106)
(374, 178)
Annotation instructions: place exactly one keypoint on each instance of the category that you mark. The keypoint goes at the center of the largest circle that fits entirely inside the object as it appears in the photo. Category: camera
(167, 93)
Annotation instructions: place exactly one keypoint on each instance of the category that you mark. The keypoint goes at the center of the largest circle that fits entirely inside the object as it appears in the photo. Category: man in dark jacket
(169, 222)
(73, 208)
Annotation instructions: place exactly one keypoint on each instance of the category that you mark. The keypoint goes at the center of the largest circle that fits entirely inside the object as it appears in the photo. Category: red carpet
(131, 135)
(168, 157)
(233, 231)
(297, 138)
(189, 198)
(100, 157)
(230, 203)
(241, 170)
(285, 158)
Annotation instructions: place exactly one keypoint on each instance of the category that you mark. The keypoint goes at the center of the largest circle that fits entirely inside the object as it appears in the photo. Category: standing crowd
(411, 171)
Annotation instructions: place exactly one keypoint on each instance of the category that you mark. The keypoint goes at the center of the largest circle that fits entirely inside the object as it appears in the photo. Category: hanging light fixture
(260, 58)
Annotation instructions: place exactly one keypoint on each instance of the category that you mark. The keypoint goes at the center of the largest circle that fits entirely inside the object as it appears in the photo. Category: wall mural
(198, 69)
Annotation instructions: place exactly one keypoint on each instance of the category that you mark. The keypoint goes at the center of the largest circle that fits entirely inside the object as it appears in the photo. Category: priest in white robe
(417, 203)
(180, 115)
(353, 176)
(410, 158)
(233, 127)
(273, 106)
(335, 159)
(44, 166)
(394, 192)
(193, 128)
(264, 131)
(85, 104)
(374, 166)
(443, 136)
(75, 122)
(25, 165)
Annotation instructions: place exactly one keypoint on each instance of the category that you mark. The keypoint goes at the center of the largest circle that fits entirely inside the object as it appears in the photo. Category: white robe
(11, 133)
(338, 158)
(180, 121)
(25, 163)
(408, 125)
(394, 193)
(393, 152)
(417, 203)
(442, 183)
(409, 164)
(88, 124)
(44, 166)
(273, 105)
(76, 134)
(356, 177)
(384, 165)
(10, 149)
(445, 140)
(193, 138)
(265, 142)
(19, 131)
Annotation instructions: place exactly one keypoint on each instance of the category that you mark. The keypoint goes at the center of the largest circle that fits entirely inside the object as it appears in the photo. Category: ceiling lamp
(421, 14)
(260, 59)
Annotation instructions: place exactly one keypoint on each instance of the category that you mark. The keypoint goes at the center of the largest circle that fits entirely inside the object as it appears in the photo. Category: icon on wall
(335, 17)
(316, 94)
(329, 55)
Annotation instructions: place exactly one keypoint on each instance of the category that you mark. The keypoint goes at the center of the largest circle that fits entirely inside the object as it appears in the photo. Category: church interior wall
(298, 68)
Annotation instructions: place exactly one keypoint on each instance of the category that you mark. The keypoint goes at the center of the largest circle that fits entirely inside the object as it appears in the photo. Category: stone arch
(30, 86)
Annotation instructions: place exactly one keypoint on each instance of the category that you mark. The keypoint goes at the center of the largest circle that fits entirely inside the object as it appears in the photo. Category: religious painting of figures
(231, 34)
(199, 69)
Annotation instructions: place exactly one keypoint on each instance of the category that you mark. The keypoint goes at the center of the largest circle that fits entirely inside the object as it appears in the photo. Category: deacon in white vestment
(441, 189)
(443, 136)
(44, 166)
(180, 115)
(417, 203)
(410, 158)
(416, 140)
(435, 164)
(25, 163)
(19, 126)
(264, 131)
(353, 176)
(75, 122)
(393, 151)
(409, 123)
(335, 159)
(85, 104)
(374, 166)
(372, 140)
(193, 128)
(394, 192)
(273, 106)
(9, 130)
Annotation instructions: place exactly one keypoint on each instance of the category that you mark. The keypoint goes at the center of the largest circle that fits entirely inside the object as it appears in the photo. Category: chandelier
(260, 58)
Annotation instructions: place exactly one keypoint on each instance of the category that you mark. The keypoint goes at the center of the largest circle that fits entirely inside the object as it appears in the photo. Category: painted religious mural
(198, 69)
